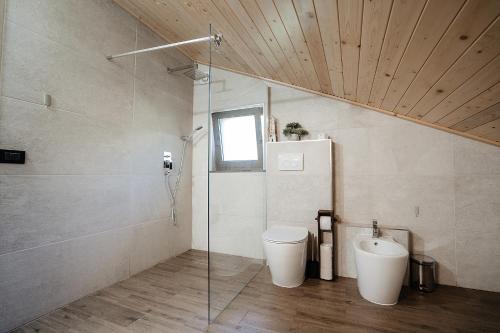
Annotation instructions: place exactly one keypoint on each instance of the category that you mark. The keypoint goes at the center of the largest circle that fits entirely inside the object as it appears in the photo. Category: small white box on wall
(291, 162)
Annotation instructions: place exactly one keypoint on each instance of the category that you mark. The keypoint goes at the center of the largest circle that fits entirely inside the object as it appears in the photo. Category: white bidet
(381, 265)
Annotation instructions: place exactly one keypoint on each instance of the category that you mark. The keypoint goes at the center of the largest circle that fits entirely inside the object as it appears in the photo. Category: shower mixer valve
(167, 161)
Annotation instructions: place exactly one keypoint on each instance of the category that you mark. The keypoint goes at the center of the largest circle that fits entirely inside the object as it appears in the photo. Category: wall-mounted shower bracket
(218, 40)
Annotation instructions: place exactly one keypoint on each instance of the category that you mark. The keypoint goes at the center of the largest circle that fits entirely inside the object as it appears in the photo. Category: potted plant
(294, 131)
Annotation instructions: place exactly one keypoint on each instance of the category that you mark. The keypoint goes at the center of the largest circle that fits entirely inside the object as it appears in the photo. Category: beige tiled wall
(89, 207)
(385, 167)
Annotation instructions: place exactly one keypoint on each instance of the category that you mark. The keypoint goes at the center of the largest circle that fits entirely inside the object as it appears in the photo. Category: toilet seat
(285, 234)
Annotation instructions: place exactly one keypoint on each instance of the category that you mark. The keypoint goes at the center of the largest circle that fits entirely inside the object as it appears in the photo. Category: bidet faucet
(375, 230)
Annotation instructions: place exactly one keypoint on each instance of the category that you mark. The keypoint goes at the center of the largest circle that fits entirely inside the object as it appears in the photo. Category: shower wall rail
(217, 38)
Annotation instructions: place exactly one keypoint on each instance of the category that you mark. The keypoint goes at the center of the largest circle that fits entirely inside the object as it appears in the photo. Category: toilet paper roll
(326, 269)
(325, 223)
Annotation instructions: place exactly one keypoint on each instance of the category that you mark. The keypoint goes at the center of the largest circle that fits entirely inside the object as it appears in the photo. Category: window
(238, 139)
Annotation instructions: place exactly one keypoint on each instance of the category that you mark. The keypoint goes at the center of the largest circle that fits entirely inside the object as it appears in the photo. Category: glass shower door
(236, 182)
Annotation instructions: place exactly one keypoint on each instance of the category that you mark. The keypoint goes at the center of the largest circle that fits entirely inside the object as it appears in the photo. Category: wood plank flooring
(321, 306)
(172, 297)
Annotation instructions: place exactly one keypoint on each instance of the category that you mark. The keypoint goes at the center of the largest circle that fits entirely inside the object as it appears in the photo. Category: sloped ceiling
(436, 62)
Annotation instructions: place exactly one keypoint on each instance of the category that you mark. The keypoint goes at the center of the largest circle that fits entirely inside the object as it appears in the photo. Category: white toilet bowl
(286, 253)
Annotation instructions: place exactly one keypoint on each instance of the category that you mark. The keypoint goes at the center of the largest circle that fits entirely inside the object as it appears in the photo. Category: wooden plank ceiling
(436, 62)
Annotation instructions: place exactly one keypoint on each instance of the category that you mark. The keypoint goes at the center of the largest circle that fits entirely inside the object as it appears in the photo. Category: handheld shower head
(190, 136)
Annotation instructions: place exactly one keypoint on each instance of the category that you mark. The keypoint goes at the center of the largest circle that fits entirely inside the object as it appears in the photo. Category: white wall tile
(241, 194)
(67, 23)
(90, 206)
(44, 278)
(200, 212)
(237, 235)
(34, 65)
(478, 227)
(411, 150)
(297, 197)
(353, 156)
(150, 245)
(61, 143)
(475, 158)
(37, 210)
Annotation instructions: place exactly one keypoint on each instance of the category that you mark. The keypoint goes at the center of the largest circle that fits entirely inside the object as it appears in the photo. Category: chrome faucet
(375, 230)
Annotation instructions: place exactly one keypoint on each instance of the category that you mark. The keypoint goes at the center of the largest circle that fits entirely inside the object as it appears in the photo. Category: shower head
(195, 74)
(189, 137)
(191, 71)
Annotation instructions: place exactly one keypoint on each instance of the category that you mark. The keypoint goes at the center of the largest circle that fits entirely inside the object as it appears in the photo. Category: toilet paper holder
(329, 214)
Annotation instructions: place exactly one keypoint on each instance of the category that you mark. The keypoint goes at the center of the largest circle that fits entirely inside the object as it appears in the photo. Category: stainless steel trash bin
(423, 272)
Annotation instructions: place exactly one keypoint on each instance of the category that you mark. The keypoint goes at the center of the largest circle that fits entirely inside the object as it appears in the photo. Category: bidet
(381, 266)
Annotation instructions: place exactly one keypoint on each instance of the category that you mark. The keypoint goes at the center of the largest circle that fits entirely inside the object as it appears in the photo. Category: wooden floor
(321, 306)
(172, 297)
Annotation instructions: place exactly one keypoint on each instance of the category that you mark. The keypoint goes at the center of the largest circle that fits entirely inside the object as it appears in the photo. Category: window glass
(239, 142)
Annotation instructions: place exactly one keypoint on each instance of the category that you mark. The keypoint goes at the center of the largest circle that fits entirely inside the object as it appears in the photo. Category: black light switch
(12, 156)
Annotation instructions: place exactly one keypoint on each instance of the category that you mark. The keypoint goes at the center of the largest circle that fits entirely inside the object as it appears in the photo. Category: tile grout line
(84, 236)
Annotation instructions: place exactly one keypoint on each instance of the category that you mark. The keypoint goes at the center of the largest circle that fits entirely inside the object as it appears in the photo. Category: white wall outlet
(291, 162)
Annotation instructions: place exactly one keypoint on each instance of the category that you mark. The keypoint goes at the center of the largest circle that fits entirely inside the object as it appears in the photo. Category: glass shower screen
(236, 215)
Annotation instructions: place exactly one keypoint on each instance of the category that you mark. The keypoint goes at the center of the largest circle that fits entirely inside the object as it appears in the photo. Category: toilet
(286, 253)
